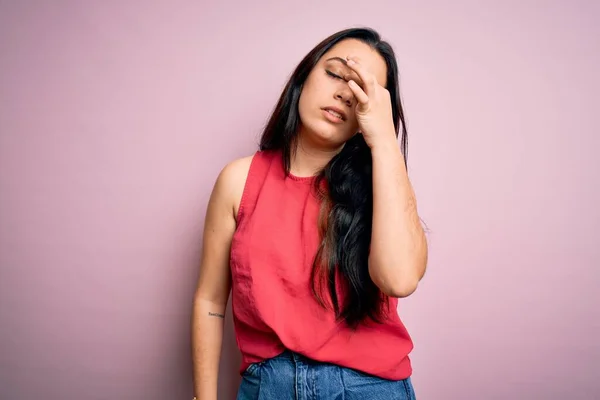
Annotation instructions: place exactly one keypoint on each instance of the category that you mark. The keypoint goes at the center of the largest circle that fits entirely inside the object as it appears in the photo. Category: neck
(309, 159)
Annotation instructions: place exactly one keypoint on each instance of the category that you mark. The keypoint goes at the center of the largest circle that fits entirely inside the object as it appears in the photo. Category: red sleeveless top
(274, 309)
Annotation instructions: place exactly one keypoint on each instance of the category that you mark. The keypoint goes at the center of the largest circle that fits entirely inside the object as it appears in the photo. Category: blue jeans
(291, 376)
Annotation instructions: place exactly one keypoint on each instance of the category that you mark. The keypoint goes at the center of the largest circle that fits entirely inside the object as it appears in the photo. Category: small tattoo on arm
(212, 314)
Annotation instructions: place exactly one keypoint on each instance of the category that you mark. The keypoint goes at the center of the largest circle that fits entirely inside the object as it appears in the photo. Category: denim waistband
(292, 376)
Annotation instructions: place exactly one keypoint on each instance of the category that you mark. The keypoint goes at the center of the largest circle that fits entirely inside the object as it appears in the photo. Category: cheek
(308, 99)
(303, 105)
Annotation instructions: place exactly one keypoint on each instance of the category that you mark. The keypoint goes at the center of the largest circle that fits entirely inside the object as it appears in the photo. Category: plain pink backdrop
(116, 117)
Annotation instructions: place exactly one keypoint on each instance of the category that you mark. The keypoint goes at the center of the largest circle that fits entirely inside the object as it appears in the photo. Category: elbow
(401, 289)
(395, 282)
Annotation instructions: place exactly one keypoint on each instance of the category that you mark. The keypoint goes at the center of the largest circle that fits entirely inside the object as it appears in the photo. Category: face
(326, 95)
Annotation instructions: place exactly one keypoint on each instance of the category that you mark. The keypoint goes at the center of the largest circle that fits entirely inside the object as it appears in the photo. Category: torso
(272, 253)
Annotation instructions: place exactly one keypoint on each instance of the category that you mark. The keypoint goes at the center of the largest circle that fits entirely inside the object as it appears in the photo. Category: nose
(345, 95)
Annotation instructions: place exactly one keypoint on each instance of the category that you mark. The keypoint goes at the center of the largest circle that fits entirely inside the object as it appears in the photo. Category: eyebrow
(340, 59)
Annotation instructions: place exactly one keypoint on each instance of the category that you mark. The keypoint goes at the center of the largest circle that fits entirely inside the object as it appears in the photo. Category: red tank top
(274, 309)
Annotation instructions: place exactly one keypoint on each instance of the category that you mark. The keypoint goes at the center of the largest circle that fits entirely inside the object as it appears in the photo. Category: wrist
(384, 145)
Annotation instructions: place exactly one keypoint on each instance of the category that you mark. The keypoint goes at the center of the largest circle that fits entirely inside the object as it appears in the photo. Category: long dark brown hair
(347, 206)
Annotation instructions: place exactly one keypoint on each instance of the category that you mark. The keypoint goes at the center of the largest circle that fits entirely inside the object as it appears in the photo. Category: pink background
(115, 118)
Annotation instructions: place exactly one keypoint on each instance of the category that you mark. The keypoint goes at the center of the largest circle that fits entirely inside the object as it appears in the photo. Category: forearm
(398, 245)
(207, 339)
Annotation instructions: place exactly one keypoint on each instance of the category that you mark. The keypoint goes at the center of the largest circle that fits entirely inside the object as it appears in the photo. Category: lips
(336, 112)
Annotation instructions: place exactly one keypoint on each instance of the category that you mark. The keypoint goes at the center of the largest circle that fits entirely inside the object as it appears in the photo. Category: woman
(317, 234)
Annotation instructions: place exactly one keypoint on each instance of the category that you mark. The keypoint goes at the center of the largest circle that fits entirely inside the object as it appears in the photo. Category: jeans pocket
(251, 381)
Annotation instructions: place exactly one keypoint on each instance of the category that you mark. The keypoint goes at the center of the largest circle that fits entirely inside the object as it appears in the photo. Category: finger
(359, 93)
(368, 79)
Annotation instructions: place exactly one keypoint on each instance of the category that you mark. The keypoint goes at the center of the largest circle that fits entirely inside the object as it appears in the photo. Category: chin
(332, 136)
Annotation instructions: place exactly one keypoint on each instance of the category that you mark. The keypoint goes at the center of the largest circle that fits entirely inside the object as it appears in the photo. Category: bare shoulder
(232, 180)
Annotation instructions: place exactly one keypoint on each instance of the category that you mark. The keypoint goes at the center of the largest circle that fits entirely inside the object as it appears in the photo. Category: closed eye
(331, 74)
